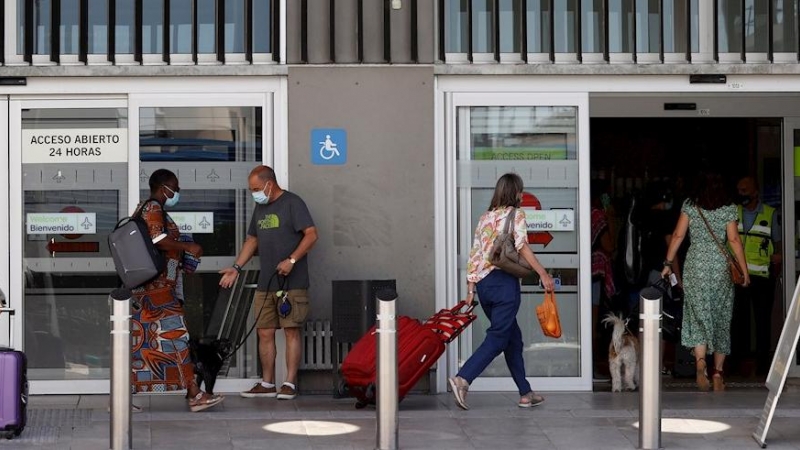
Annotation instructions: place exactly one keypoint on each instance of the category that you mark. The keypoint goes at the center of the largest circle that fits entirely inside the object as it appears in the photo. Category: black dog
(208, 358)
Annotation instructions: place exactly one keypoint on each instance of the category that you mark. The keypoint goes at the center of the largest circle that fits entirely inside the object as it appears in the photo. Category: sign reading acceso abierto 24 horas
(78, 145)
(61, 223)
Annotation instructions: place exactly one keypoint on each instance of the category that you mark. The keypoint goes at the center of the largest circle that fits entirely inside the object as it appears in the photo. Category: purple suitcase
(13, 392)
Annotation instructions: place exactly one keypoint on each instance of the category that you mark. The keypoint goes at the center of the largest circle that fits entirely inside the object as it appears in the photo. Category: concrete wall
(375, 213)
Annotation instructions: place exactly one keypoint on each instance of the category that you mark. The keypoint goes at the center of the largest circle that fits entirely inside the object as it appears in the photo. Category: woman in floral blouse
(499, 293)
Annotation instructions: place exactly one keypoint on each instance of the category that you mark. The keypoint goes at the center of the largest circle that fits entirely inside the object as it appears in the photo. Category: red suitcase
(419, 346)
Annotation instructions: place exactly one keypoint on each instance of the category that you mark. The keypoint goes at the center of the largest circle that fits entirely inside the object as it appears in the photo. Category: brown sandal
(702, 378)
(204, 401)
(719, 382)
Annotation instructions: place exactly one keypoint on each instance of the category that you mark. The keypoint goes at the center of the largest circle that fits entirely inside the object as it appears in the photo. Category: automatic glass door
(74, 189)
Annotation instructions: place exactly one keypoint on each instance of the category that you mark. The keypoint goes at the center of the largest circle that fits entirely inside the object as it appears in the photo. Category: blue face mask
(170, 202)
(260, 197)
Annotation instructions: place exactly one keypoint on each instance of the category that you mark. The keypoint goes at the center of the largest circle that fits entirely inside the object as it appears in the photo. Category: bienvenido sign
(61, 223)
(75, 145)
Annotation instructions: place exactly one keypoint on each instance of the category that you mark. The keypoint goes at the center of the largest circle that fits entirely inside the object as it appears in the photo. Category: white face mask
(260, 197)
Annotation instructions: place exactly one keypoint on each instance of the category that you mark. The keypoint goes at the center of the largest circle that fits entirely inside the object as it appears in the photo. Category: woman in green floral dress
(707, 286)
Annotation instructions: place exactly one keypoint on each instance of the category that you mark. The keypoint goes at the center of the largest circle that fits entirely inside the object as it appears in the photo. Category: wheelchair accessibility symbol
(328, 146)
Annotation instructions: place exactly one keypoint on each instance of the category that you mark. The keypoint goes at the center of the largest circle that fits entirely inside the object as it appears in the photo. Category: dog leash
(281, 286)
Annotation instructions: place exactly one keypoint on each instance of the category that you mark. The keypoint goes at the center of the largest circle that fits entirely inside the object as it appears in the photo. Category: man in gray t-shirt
(283, 232)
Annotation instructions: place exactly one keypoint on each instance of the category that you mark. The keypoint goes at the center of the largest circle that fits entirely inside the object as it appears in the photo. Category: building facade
(424, 104)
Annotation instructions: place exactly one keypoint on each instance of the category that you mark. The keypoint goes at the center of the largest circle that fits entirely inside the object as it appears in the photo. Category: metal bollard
(120, 369)
(387, 370)
(650, 369)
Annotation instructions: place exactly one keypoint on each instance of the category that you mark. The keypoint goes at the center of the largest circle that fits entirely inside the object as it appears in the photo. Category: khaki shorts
(269, 317)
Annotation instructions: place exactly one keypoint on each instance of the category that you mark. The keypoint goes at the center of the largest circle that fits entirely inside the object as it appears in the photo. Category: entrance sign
(74, 145)
(784, 354)
(61, 223)
(194, 222)
(328, 146)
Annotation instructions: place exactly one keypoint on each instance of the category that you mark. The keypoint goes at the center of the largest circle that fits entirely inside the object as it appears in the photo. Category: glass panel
(98, 26)
(152, 26)
(648, 26)
(125, 28)
(70, 205)
(729, 25)
(528, 136)
(206, 34)
(41, 23)
(510, 24)
(234, 26)
(180, 26)
(211, 150)
(756, 26)
(784, 31)
(565, 26)
(620, 26)
(262, 27)
(69, 31)
(523, 133)
(592, 26)
(200, 134)
(482, 26)
(455, 22)
(675, 33)
(695, 41)
(538, 26)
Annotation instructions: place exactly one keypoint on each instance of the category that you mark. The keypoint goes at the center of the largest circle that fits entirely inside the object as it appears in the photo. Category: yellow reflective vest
(758, 241)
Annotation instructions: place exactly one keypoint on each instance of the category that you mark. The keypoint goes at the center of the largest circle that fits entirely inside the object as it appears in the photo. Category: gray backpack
(136, 257)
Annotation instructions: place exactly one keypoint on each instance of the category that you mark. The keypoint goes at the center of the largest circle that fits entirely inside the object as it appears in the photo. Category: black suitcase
(684, 362)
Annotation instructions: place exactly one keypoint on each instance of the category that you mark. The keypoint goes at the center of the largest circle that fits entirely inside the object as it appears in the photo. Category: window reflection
(565, 12)
(538, 26)
(620, 26)
(200, 134)
(98, 26)
(482, 26)
(68, 31)
(124, 28)
(729, 26)
(592, 26)
(510, 25)
(756, 26)
(523, 132)
(784, 39)
(648, 26)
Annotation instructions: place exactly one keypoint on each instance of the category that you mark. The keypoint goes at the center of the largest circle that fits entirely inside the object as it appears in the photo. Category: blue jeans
(499, 295)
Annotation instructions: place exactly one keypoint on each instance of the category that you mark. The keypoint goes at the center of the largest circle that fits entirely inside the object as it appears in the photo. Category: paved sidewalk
(600, 420)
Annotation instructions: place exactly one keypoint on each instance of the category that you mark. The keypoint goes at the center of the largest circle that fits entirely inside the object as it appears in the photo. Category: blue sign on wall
(328, 146)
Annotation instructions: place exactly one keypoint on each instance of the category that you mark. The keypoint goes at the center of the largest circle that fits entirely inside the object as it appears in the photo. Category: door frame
(448, 200)
(790, 124)
(17, 233)
(7, 321)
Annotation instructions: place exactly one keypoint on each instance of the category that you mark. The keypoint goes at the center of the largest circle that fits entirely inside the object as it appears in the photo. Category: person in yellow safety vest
(760, 233)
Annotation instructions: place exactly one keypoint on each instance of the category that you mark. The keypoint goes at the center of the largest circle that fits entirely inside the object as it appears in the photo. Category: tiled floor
(599, 420)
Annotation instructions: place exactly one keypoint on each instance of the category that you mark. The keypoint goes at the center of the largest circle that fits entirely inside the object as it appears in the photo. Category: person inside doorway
(760, 233)
(283, 232)
(710, 217)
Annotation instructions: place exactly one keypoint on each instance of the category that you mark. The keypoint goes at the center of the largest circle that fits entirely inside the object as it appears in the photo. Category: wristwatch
(238, 268)
(292, 260)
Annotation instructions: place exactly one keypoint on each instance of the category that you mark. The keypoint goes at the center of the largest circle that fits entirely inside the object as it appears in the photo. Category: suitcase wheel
(360, 405)
(18, 431)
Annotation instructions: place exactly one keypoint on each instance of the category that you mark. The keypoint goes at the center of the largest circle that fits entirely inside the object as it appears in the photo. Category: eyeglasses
(177, 189)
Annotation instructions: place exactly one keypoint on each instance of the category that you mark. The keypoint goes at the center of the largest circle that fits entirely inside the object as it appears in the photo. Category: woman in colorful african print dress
(160, 341)
(707, 286)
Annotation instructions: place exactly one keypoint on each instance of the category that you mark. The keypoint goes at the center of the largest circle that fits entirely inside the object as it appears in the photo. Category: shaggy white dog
(623, 355)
